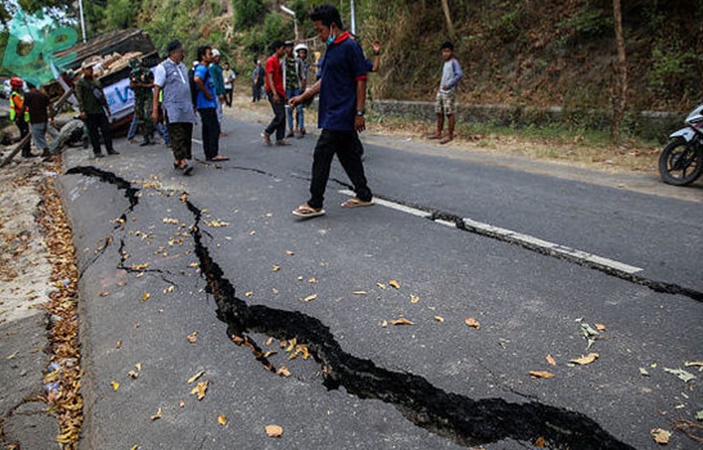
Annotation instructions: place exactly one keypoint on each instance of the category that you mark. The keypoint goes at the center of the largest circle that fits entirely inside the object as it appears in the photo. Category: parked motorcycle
(681, 161)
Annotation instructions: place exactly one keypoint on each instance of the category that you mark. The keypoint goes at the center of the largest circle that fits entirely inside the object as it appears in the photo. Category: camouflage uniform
(143, 99)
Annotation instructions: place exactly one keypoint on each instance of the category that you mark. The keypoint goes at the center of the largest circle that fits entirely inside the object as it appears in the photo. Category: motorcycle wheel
(681, 162)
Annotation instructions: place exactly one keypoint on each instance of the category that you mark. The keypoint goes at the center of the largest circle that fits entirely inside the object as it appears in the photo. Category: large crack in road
(466, 421)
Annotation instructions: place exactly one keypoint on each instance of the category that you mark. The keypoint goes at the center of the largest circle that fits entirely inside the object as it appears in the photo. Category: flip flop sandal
(220, 158)
(306, 212)
(356, 203)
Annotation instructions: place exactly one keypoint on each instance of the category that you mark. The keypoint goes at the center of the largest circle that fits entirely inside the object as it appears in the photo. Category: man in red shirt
(276, 95)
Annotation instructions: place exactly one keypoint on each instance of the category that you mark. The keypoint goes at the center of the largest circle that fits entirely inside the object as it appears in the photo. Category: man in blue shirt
(206, 104)
(342, 89)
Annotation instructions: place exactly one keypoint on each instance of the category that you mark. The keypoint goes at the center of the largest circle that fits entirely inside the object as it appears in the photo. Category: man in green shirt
(141, 81)
(94, 110)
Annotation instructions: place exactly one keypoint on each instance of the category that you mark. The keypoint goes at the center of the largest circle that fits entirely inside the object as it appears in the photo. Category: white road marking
(516, 237)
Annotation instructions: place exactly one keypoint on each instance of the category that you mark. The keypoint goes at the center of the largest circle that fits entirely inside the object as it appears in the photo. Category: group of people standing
(33, 109)
(285, 76)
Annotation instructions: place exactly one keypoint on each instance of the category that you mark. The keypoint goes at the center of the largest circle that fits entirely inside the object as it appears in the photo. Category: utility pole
(80, 8)
(291, 13)
(353, 17)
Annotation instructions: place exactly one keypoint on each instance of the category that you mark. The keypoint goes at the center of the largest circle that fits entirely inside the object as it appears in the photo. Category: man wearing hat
(171, 78)
(94, 110)
(219, 80)
(19, 113)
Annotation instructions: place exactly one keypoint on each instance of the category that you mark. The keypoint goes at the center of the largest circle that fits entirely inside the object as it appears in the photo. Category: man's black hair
(173, 46)
(202, 50)
(448, 45)
(275, 45)
(327, 14)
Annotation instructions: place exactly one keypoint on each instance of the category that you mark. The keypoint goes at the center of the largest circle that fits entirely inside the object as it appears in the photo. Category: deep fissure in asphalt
(466, 421)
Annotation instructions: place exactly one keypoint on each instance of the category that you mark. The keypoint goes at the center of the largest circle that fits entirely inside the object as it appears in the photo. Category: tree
(248, 13)
(448, 19)
(620, 101)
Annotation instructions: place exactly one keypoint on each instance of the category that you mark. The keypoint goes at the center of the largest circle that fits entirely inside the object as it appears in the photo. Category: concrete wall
(649, 125)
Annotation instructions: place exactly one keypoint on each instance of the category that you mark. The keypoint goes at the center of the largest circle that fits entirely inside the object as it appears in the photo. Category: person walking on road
(276, 95)
(41, 119)
(444, 102)
(206, 104)
(94, 110)
(171, 79)
(19, 113)
(342, 89)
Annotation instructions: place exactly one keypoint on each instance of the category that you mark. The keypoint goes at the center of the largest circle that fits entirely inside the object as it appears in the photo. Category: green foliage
(277, 27)
(248, 13)
(590, 22)
(672, 66)
(120, 14)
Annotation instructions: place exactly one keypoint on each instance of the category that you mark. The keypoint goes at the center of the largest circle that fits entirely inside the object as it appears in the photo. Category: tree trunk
(448, 18)
(620, 101)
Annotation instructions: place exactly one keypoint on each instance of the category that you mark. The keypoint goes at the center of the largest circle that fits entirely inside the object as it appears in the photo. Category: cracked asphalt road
(228, 261)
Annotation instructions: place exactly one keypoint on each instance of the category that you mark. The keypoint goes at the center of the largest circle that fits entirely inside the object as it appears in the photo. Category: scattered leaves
(394, 283)
(550, 359)
(360, 293)
(290, 252)
(276, 268)
(583, 360)
(169, 289)
(218, 224)
(104, 294)
(439, 319)
(115, 385)
(157, 415)
(283, 372)
(381, 285)
(170, 220)
(473, 323)
(274, 430)
(249, 293)
(401, 321)
(222, 420)
(312, 280)
(200, 389)
(146, 296)
(310, 298)
(599, 326)
(195, 377)
(660, 435)
(644, 372)
(193, 337)
(541, 374)
(414, 298)
(682, 374)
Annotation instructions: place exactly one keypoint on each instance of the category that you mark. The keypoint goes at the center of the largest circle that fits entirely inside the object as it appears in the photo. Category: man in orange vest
(19, 113)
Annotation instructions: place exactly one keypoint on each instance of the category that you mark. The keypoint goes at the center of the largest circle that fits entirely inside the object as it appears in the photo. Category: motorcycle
(681, 161)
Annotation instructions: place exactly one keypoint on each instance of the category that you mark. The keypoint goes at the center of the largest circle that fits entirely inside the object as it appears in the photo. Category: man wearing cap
(301, 51)
(219, 81)
(93, 107)
(171, 78)
(292, 82)
(19, 113)
(276, 94)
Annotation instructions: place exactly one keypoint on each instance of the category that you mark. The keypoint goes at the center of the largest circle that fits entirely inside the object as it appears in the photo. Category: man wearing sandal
(342, 89)
(171, 78)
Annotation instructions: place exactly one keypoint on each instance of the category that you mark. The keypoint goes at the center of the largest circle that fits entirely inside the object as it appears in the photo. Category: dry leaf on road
(200, 389)
(115, 385)
(660, 436)
(193, 337)
(550, 359)
(401, 321)
(439, 319)
(394, 283)
(583, 360)
(310, 298)
(414, 299)
(222, 420)
(541, 374)
(157, 415)
(274, 430)
(473, 323)
(146, 296)
(195, 377)
(283, 372)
